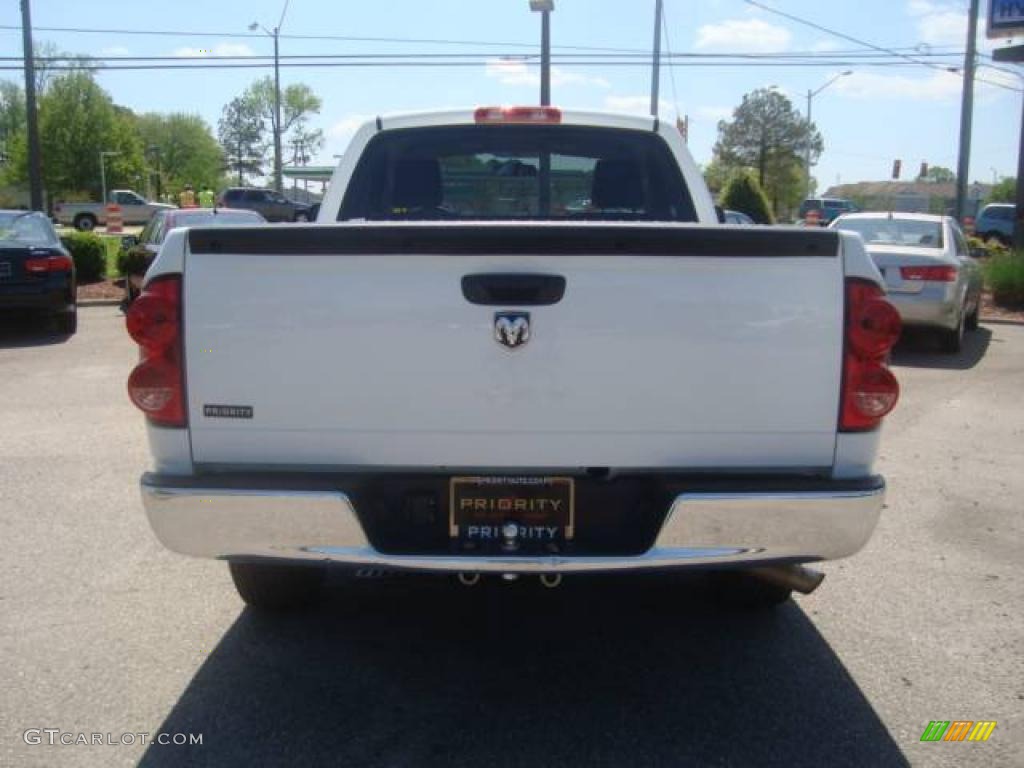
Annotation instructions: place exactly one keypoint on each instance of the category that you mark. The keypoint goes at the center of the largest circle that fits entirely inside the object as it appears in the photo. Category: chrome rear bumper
(701, 529)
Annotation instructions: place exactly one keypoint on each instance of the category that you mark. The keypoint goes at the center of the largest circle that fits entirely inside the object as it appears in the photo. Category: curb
(99, 302)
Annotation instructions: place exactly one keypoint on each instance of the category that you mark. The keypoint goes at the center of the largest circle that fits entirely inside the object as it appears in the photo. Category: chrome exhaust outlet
(551, 580)
(469, 579)
(796, 577)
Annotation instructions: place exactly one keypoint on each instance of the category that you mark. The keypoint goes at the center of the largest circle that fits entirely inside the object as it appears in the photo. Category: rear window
(886, 231)
(233, 194)
(28, 228)
(517, 172)
(211, 219)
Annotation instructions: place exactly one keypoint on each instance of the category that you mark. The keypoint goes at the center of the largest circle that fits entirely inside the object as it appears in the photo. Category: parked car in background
(738, 218)
(929, 272)
(37, 273)
(271, 205)
(135, 209)
(995, 222)
(138, 252)
(828, 208)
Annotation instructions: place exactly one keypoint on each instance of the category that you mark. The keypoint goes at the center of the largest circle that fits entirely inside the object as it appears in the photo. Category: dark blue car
(37, 273)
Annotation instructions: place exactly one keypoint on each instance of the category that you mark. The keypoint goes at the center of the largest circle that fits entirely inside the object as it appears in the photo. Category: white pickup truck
(516, 342)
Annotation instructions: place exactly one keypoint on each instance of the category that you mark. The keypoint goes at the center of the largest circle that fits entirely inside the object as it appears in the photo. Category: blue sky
(868, 118)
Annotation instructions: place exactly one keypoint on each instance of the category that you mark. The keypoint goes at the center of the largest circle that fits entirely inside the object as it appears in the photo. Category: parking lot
(102, 630)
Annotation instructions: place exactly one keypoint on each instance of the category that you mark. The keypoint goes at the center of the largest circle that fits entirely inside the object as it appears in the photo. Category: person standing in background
(206, 197)
(187, 198)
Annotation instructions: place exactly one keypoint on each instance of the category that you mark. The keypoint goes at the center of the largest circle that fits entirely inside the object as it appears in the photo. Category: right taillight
(870, 391)
(157, 384)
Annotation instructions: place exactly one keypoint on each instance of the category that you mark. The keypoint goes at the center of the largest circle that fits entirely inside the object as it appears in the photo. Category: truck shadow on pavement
(918, 349)
(18, 332)
(600, 672)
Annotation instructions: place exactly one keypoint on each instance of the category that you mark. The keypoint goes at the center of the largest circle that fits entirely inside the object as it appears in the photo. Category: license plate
(512, 513)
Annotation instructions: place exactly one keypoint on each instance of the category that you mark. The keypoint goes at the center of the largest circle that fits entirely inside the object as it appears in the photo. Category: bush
(742, 193)
(134, 261)
(988, 248)
(89, 254)
(1004, 276)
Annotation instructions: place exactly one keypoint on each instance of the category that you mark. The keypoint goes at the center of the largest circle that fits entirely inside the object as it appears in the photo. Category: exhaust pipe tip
(796, 577)
(469, 579)
(551, 580)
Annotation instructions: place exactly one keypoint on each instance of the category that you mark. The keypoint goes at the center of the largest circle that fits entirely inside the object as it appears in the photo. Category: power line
(409, 63)
(865, 43)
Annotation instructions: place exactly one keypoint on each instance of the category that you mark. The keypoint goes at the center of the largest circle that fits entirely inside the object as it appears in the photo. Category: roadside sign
(1005, 18)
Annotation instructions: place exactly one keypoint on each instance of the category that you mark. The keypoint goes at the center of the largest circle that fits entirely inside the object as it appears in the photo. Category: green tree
(743, 193)
(937, 174)
(767, 134)
(12, 117)
(187, 151)
(241, 134)
(77, 121)
(297, 103)
(1005, 191)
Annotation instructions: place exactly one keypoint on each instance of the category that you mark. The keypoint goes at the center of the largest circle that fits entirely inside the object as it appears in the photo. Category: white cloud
(749, 35)
(220, 49)
(942, 22)
(937, 86)
(714, 114)
(114, 50)
(515, 72)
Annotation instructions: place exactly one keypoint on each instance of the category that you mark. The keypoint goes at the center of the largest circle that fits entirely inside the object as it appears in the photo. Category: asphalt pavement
(104, 632)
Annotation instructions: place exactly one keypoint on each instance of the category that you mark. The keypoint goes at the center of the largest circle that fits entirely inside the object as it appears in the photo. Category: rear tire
(953, 341)
(67, 322)
(85, 222)
(301, 218)
(743, 591)
(277, 588)
(972, 319)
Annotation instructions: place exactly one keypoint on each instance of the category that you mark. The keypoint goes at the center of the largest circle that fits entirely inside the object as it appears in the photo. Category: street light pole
(103, 173)
(544, 7)
(277, 112)
(276, 34)
(966, 112)
(807, 144)
(656, 62)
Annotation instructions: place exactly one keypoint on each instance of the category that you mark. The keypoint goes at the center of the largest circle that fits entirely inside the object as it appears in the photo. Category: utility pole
(963, 165)
(276, 112)
(544, 8)
(656, 59)
(35, 172)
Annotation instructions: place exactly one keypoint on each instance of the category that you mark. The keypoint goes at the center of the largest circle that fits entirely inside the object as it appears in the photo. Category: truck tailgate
(673, 346)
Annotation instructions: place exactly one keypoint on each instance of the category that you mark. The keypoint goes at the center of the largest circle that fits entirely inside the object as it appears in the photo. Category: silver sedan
(930, 275)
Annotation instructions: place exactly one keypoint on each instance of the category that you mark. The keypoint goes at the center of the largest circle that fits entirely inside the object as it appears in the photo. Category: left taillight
(41, 265)
(870, 391)
(157, 384)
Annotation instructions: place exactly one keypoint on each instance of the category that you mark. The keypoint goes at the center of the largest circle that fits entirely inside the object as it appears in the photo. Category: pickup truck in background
(461, 369)
(85, 217)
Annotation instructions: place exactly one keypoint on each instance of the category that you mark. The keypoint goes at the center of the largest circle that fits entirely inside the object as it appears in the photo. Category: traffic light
(924, 171)
(897, 165)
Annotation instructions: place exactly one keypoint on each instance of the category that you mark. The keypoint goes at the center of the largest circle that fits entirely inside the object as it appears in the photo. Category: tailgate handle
(513, 288)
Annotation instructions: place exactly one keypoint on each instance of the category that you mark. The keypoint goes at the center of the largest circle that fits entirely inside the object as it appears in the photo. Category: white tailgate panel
(646, 362)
